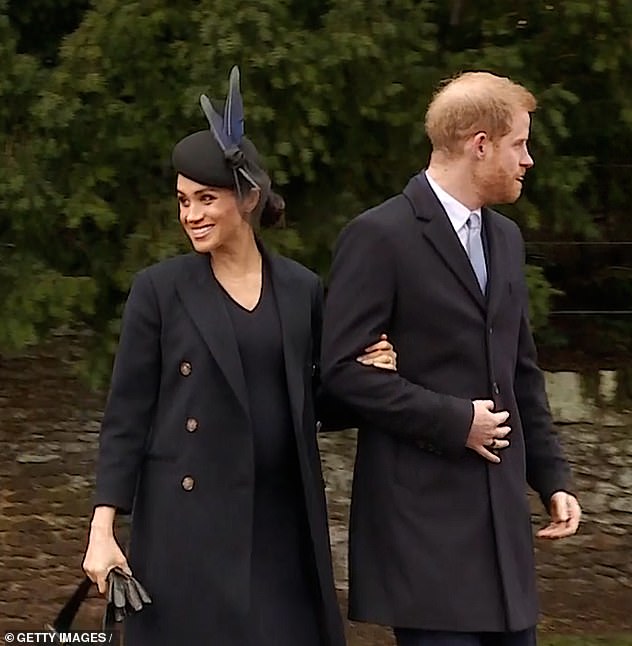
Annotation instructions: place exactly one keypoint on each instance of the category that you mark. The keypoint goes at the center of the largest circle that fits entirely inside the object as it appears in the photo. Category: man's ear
(479, 144)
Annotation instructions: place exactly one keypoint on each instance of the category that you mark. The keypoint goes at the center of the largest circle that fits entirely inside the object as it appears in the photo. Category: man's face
(500, 175)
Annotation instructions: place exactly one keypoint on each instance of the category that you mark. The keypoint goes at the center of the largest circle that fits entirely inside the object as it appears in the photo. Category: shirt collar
(457, 213)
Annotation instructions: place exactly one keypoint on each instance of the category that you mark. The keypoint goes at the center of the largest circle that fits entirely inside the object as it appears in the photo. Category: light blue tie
(475, 249)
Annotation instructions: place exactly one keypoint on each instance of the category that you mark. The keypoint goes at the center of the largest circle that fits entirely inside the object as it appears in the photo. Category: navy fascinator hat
(222, 156)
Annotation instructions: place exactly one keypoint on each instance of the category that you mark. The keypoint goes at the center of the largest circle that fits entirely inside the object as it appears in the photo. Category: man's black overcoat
(440, 539)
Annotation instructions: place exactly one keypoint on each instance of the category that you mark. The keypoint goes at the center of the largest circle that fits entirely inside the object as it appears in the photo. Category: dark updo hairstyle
(273, 213)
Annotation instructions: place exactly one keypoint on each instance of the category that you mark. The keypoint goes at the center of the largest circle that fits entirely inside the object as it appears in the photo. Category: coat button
(185, 368)
(495, 388)
(192, 424)
(188, 483)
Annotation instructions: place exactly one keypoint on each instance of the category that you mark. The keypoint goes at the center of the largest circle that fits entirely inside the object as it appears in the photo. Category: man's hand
(486, 431)
(565, 516)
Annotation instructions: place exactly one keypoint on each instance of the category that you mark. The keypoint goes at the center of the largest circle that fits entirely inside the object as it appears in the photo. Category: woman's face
(210, 216)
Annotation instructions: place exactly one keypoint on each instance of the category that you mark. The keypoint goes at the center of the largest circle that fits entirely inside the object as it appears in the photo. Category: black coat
(176, 446)
(440, 538)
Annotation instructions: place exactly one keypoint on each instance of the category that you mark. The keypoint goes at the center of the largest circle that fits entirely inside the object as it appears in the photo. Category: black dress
(285, 607)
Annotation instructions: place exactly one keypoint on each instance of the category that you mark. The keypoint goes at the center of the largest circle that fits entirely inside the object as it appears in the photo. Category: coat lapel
(292, 314)
(497, 258)
(442, 236)
(203, 300)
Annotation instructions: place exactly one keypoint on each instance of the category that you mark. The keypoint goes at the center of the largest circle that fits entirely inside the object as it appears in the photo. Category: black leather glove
(125, 595)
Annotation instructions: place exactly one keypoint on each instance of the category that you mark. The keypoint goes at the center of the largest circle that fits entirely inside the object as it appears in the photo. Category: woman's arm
(132, 399)
(103, 552)
(126, 424)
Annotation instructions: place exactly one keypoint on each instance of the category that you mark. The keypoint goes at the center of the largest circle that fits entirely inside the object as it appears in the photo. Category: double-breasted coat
(176, 449)
(440, 538)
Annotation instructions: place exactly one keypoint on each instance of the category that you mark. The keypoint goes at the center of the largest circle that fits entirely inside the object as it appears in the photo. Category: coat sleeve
(331, 413)
(360, 304)
(547, 468)
(131, 400)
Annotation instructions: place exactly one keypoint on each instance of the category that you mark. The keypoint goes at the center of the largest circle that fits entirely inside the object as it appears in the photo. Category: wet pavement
(48, 435)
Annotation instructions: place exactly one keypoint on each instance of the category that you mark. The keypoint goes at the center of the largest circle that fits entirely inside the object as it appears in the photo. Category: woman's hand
(103, 553)
(380, 355)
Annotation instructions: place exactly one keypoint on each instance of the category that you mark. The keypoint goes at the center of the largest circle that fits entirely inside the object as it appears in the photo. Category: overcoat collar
(294, 316)
(442, 236)
(203, 299)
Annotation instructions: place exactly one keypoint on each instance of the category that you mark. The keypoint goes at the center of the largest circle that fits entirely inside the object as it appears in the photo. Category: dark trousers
(413, 637)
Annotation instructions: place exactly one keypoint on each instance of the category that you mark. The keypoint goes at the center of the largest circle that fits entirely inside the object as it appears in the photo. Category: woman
(209, 430)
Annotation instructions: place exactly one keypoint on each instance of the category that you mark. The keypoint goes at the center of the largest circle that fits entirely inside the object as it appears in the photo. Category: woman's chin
(204, 245)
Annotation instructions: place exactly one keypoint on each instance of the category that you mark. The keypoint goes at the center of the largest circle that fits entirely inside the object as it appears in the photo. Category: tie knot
(474, 221)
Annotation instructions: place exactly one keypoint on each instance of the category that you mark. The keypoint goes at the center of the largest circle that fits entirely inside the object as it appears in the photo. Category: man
(440, 535)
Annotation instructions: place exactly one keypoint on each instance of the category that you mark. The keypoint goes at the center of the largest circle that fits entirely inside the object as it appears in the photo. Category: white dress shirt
(458, 213)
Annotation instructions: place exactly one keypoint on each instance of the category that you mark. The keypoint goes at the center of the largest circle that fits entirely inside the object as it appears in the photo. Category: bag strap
(67, 614)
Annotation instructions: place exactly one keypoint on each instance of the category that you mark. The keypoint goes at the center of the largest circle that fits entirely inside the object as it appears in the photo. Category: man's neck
(455, 180)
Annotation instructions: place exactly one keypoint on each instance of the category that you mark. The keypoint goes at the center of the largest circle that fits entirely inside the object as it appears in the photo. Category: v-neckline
(234, 301)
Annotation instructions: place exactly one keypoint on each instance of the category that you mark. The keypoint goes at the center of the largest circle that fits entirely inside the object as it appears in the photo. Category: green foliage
(41, 24)
(540, 295)
(34, 297)
(335, 93)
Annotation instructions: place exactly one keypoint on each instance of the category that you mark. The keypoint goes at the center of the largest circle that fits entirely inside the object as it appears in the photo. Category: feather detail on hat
(229, 129)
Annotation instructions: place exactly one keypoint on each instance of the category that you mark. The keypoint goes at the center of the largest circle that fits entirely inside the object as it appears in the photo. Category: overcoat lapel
(441, 235)
(497, 259)
(292, 315)
(203, 300)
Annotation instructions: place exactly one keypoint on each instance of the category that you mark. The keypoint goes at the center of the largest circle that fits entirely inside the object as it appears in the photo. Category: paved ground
(48, 433)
